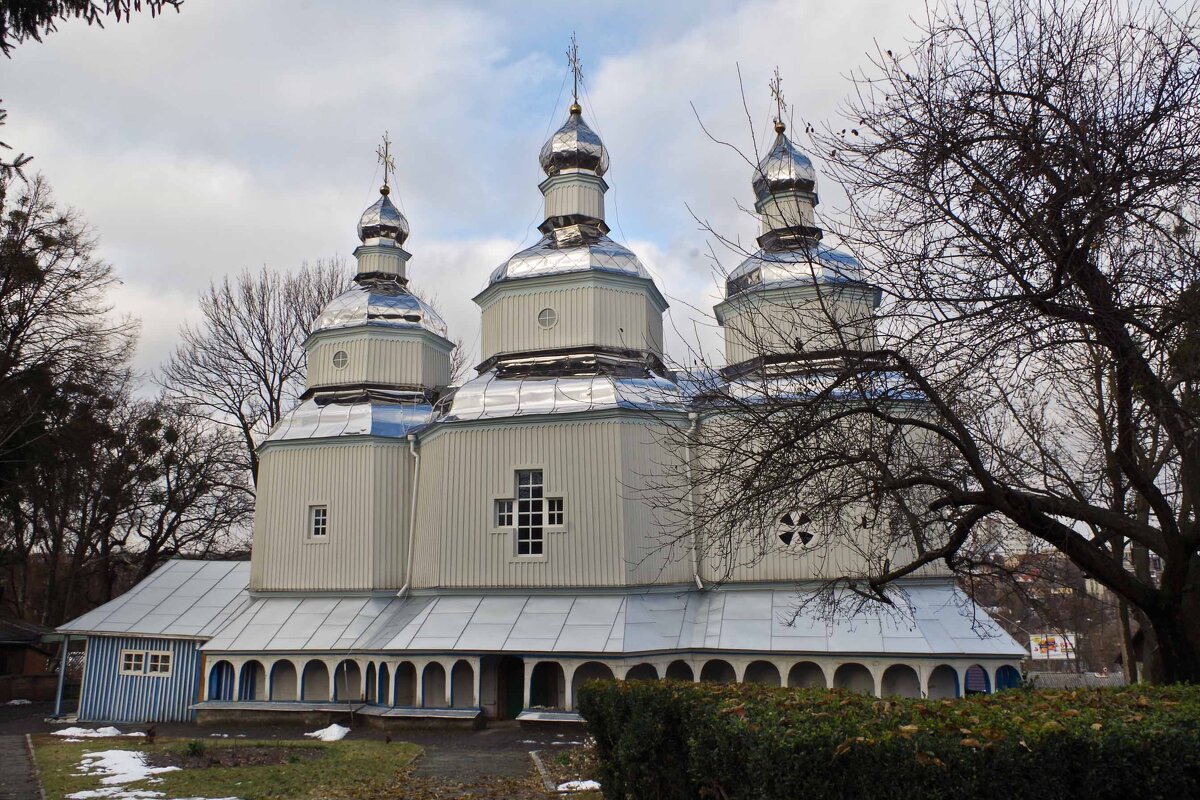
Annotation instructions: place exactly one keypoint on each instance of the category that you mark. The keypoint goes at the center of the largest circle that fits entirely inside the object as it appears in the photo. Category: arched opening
(383, 682)
(547, 685)
(1007, 677)
(283, 682)
(253, 684)
(680, 671)
(943, 683)
(854, 677)
(314, 687)
(433, 686)
(763, 672)
(900, 680)
(591, 671)
(462, 685)
(807, 675)
(642, 672)
(977, 680)
(372, 685)
(718, 671)
(405, 685)
(508, 686)
(347, 682)
(220, 681)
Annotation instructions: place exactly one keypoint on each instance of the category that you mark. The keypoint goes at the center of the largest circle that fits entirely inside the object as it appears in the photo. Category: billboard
(1052, 646)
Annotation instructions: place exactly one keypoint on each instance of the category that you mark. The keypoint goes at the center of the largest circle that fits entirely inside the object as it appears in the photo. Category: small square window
(318, 523)
(158, 663)
(504, 513)
(554, 511)
(133, 662)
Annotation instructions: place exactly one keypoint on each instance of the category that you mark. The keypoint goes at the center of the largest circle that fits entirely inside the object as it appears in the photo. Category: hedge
(666, 740)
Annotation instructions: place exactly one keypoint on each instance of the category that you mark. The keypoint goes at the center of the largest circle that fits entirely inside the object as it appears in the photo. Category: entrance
(510, 687)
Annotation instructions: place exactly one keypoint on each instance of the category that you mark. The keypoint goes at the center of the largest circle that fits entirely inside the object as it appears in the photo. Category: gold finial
(577, 72)
(776, 85)
(384, 153)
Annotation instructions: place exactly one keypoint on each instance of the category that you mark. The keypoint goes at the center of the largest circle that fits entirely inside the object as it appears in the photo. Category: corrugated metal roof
(186, 599)
(935, 619)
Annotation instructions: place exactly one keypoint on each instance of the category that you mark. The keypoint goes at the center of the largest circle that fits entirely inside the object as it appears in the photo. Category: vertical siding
(404, 359)
(109, 696)
(588, 314)
(648, 455)
(366, 486)
(756, 325)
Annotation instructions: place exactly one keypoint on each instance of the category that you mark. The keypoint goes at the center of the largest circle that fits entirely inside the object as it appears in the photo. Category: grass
(349, 769)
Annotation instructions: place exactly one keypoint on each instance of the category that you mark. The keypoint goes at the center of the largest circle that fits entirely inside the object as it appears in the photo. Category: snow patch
(89, 733)
(19, 702)
(579, 786)
(119, 767)
(333, 733)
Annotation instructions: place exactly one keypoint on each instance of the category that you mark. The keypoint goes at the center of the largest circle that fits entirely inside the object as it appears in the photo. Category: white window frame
(533, 518)
(311, 534)
(161, 655)
(504, 515)
(559, 525)
(126, 655)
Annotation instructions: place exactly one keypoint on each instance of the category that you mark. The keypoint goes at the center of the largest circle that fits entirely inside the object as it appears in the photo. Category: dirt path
(16, 771)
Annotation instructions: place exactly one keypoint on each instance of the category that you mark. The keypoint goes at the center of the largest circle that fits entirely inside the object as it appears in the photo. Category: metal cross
(776, 85)
(573, 63)
(384, 153)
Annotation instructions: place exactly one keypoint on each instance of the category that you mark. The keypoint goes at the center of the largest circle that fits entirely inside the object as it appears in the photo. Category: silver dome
(574, 146)
(383, 221)
(793, 267)
(783, 168)
(570, 249)
(383, 302)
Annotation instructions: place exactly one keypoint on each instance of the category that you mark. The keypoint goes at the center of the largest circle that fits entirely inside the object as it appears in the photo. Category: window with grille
(318, 523)
(158, 663)
(504, 513)
(554, 512)
(530, 513)
(133, 662)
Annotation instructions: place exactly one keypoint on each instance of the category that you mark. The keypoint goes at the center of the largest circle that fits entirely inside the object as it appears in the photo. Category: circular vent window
(547, 318)
(340, 359)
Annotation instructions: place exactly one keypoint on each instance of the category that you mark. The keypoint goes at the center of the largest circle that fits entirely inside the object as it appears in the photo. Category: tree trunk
(1176, 633)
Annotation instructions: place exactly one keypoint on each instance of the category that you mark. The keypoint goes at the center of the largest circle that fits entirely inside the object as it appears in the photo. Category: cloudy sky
(239, 134)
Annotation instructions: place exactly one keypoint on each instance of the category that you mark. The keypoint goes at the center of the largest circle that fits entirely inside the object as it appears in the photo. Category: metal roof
(936, 619)
(187, 599)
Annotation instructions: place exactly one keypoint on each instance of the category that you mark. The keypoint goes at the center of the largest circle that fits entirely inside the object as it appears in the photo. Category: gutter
(412, 514)
(694, 424)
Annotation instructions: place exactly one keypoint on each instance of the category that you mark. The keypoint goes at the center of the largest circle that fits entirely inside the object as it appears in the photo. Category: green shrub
(672, 740)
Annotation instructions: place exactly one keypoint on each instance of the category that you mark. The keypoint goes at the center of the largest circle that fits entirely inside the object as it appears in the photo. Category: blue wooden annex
(143, 661)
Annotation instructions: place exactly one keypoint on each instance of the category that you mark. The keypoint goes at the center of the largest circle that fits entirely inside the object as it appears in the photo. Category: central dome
(381, 302)
(574, 146)
(783, 168)
(575, 248)
(383, 221)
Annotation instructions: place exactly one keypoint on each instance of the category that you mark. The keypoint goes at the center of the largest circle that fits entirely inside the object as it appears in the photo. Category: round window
(340, 359)
(547, 318)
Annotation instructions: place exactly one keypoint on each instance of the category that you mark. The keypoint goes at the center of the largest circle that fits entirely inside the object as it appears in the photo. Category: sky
(240, 134)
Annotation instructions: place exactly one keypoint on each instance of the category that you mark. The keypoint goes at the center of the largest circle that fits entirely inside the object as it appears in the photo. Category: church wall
(364, 484)
(757, 325)
(379, 357)
(656, 549)
(465, 469)
(588, 314)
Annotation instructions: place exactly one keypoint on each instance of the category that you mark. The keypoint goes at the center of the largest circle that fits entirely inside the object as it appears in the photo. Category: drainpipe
(694, 423)
(62, 676)
(412, 514)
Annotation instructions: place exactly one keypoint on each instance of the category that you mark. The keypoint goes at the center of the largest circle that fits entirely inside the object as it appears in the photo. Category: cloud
(235, 135)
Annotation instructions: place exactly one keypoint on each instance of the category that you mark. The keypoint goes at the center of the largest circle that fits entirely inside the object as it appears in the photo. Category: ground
(416, 765)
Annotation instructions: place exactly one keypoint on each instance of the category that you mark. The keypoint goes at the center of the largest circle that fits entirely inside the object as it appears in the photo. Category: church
(430, 552)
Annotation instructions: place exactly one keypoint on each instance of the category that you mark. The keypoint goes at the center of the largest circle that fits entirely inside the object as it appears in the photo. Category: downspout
(62, 676)
(412, 514)
(694, 423)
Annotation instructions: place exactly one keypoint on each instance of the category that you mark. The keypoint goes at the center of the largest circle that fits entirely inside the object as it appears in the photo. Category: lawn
(345, 769)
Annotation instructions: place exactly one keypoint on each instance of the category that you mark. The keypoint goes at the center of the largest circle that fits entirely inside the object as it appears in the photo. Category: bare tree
(244, 365)
(1022, 184)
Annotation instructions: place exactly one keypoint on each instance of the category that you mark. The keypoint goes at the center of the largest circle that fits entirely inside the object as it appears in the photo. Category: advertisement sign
(1052, 646)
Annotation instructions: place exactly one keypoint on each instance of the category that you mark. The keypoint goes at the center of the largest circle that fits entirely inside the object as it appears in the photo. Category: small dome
(783, 168)
(383, 221)
(574, 146)
(379, 302)
(572, 249)
(798, 266)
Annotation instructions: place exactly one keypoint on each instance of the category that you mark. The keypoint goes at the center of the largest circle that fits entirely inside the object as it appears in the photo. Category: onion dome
(379, 302)
(793, 266)
(383, 221)
(574, 146)
(783, 168)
